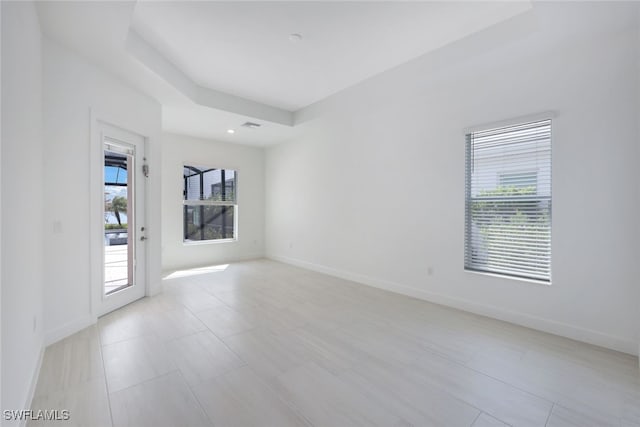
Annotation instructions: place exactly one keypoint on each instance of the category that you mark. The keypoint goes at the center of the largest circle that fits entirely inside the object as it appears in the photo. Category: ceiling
(204, 122)
(215, 65)
(243, 48)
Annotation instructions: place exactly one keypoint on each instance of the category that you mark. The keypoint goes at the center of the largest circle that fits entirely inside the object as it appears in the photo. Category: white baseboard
(33, 385)
(68, 329)
(545, 325)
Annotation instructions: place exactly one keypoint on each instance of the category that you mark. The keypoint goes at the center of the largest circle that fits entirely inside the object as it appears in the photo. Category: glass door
(119, 193)
(123, 215)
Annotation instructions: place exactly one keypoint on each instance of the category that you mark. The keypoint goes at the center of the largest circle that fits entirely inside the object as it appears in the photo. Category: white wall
(73, 89)
(22, 192)
(178, 150)
(1, 216)
(374, 190)
(638, 124)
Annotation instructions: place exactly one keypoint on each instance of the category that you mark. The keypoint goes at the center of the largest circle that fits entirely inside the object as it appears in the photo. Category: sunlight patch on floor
(196, 271)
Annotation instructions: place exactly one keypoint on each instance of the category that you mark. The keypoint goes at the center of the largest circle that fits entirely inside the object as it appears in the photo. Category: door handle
(143, 238)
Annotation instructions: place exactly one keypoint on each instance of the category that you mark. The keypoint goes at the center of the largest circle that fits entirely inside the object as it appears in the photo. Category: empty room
(320, 213)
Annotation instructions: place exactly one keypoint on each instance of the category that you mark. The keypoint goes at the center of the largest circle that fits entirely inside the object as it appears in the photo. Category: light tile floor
(265, 344)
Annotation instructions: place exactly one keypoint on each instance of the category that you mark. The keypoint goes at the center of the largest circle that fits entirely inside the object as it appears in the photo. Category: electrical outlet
(429, 271)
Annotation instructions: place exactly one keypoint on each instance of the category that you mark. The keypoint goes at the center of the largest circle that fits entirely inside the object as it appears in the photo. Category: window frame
(469, 155)
(205, 202)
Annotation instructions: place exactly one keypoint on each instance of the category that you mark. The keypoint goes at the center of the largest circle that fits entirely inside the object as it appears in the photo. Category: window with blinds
(508, 201)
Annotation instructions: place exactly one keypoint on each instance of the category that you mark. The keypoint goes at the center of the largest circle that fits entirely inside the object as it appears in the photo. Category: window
(209, 203)
(508, 201)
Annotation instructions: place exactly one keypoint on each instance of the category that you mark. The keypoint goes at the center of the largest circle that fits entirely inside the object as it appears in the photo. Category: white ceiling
(242, 48)
(208, 123)
(214, 65)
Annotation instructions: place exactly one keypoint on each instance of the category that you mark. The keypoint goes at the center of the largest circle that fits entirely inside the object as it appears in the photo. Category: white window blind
(508, 201)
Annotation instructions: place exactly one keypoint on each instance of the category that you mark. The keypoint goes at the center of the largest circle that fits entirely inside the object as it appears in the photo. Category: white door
(123, 215)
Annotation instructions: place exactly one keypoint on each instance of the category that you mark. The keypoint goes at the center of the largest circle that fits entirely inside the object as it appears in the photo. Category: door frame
(96, 220)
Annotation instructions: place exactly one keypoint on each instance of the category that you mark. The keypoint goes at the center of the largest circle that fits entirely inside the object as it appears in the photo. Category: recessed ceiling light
(231, 131)
(295, 37)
